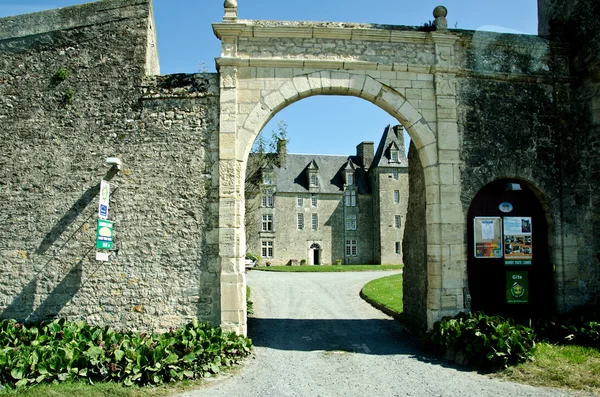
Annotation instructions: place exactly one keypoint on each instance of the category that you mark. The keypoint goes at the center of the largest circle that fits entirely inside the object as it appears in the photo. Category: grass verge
(386, 292)
(326, 269)
(570, 366)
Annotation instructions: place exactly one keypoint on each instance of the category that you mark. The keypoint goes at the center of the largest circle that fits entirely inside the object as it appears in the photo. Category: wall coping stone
(71, 17)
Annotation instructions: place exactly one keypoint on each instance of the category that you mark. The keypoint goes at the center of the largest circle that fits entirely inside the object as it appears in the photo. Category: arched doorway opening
(508, 265)
(315, 254)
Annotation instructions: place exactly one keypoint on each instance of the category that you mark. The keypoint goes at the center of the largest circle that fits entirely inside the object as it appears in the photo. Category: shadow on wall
(23, 306)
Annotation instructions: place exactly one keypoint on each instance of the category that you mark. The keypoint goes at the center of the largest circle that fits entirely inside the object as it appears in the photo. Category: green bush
(489, 341)
(253, 257)
(580, 327)
(59, 351)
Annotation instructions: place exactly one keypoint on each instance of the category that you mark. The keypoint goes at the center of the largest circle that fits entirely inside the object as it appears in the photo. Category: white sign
(102, 256)
(104, 198)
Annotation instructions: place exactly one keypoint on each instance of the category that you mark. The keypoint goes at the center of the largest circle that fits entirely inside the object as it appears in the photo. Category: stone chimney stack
(366, 152)
(281, 152)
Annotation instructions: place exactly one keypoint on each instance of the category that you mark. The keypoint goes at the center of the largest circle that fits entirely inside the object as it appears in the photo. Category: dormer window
(350, 178)
(267, 178)
(394, 156)
(313, 180)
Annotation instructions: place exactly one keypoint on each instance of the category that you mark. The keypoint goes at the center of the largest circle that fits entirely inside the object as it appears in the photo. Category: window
(313, 180)
(267, 249)
(267, 198)
(350, 198)
(394, 154)
(397, 196)
(350, 222)
(300, 221)
(397, 221)
(267, 178)
(300, 202)
(351, 248)
(313, 200)
(315, 221)
(350, 178)
(395, 173)
(398, 247)
(267, 223)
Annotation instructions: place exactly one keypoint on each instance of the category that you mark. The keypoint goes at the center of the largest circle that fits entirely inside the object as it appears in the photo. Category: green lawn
(571, 366)
(337, 268)
(386, 291)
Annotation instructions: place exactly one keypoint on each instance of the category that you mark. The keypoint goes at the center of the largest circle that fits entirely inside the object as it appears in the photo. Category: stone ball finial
(440, 12)
(231, 4)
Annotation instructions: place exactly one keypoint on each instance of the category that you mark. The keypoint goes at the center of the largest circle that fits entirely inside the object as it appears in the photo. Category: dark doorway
(508, 259)
(316, 254)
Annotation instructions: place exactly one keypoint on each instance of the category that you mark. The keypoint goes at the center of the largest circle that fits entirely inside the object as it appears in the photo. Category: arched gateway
(266, 66)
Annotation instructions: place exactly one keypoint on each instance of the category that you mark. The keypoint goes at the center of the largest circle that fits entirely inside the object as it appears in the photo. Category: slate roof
(294, 177)
(390, 137)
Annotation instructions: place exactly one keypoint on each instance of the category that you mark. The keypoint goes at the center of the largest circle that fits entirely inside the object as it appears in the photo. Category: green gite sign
(517, 287)
(104, 234)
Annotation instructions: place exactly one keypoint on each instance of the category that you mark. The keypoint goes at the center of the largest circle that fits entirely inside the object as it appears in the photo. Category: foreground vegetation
(62, 351)
(562, 351)
(319, 268)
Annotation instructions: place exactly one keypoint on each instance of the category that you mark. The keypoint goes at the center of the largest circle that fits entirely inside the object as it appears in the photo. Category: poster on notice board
(518, 248)
(488, 237)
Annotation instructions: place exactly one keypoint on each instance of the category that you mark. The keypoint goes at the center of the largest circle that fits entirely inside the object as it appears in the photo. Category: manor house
(324, 209)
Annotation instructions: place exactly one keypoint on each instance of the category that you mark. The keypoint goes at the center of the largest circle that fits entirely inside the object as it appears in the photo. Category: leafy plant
(491, 341)
(249, 303)
(68, 96)
(60, 76)
(252, 257)
(581, 326)
(59, 351)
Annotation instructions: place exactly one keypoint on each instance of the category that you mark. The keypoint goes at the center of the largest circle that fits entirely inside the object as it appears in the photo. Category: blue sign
(103, 211)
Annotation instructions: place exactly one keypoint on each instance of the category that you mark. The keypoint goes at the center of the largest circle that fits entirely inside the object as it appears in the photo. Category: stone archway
(256, 84)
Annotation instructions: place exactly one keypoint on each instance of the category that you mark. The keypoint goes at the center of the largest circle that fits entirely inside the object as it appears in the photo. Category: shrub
(490, 341)
(581, 326)
(252, 257)
(59, 351)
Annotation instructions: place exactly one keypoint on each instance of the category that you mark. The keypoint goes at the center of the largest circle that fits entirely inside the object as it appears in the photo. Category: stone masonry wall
(528, 127)
(73, 92)
(414, 247)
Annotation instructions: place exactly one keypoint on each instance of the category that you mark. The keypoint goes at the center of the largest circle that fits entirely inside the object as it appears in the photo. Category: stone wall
(74, 92)
(414, 248)
(529, 126)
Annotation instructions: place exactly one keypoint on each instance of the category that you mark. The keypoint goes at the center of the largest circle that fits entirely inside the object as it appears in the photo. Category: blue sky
(321, 124)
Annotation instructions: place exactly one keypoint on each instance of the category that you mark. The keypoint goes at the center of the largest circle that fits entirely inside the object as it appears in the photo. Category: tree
(263, 156)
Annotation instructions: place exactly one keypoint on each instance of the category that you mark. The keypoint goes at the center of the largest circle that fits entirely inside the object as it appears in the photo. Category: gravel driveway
(314, 336)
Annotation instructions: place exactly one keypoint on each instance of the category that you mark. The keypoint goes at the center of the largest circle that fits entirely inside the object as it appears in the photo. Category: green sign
(517, 287)
(104, 235)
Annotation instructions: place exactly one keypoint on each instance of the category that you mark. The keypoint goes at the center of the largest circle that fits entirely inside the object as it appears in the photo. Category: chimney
(281, 152)
(365, 150)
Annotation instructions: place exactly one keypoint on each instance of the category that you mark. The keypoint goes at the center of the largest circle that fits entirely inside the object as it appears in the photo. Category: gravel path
(314, 336)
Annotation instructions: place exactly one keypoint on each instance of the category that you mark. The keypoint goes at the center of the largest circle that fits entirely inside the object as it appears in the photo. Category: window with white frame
(300, 201)
(395, 173)
(315, 222)
(267, 249)
(350, 198)
(313, 180)
(267, 178)
(397, 196)
(351, 249)
(397, 221)
(313, 200)
(350, 222)
(397, 247)
(267, 198)
(300, 221)
(350, 178)
(395, 156)
(267, 223)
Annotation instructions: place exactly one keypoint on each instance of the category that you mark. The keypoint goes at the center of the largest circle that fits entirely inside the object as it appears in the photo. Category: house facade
(330, 209)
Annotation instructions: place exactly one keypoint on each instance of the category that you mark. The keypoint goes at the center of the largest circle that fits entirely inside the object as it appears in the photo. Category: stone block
(408, 114)
(371, 89)
(356, 83)
(448, 301)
